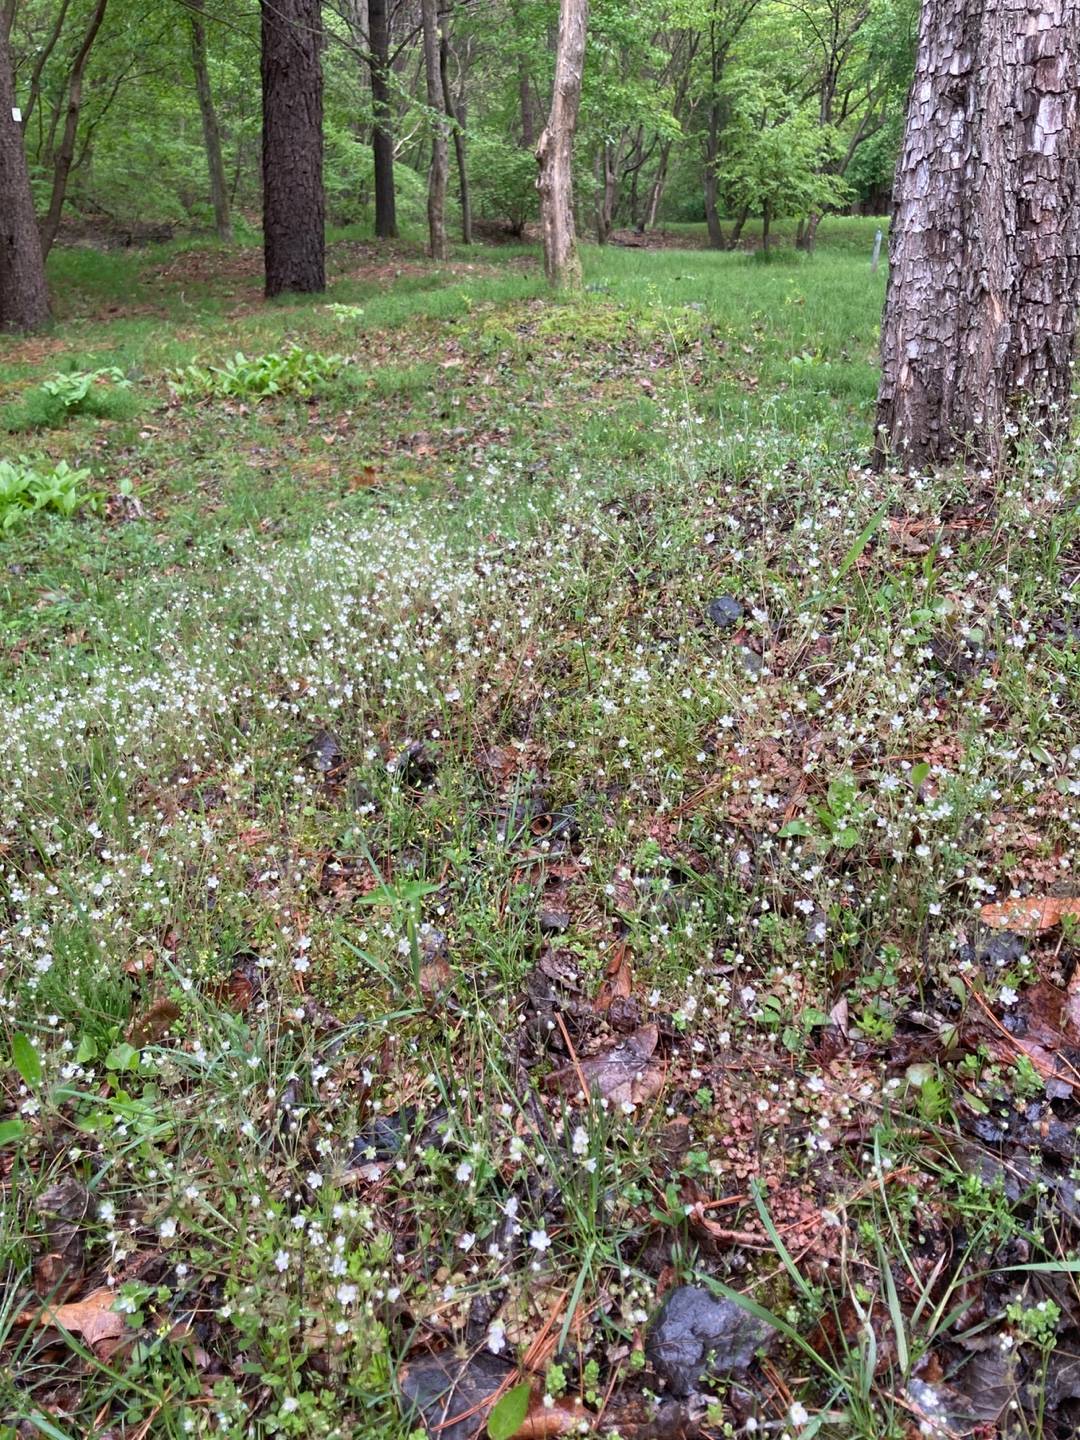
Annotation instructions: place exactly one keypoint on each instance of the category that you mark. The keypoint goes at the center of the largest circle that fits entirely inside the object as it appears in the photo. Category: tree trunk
(528, 110)
(980, 314)
(294, 204)
(605, 208)
(656, 191)
(382, 135)
(766, 222)
(24, 300)
(555, 152)
(712, 152)
(737, 228)
(66, 154)
(456, 111)
(219, 189)
(806, 239)
(440, 159)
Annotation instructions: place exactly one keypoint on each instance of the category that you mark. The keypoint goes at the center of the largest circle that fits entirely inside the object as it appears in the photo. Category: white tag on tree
(16, 114)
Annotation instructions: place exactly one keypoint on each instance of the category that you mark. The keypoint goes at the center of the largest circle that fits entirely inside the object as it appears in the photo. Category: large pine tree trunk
(382, 132)
(219, 189)
(65, 156)
(980, 315)
(294, 204)
(24, 300)
(555, 152)
(440, 155)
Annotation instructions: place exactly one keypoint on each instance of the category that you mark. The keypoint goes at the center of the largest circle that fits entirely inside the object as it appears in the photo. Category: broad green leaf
(919, 773)
(793, 827)
(10, 1131)
(26, 1060)
(508, 1415)
(121, 1057)
(87, 1050)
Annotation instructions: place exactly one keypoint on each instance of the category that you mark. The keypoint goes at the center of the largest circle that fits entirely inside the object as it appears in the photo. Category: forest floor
(529, 874)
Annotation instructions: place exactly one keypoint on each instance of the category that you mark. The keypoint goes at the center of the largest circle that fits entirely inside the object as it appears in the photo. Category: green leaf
(508, 1416)
(121, 1057)
(919, 773)
(87, 1050)
(10, 1131)
(793, 827)
(872, 526)
(26, 1060)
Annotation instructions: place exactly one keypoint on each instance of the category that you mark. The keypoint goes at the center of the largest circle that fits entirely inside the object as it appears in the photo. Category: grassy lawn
(519, 823)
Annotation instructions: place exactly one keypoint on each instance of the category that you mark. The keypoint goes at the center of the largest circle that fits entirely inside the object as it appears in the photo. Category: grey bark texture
(66, 154)
(215, 165)
(294, 204)
(980, 314)
(555, 152)
(440, 154)
(382, 131)
(24, 299)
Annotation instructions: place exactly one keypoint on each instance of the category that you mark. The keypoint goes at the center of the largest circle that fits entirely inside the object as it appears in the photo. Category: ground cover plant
(537, 889)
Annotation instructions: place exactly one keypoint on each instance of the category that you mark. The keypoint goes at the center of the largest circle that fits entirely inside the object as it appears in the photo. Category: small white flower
(281, 1260)
(798, 1414)
(167, 1228)
(540, 1240)
(463, 1172)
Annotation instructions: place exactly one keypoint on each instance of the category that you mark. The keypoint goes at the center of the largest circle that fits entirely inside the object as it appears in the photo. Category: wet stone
(697, 1339)
(725, 611)
(453, 1397)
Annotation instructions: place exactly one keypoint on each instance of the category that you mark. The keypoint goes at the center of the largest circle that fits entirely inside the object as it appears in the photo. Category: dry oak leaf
(93, 1317)
(1032, 914)
(623, 1073)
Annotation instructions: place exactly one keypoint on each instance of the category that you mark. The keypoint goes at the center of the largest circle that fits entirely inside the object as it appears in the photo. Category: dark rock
(383, 1138)
(553, 920)
(751, 662)
(696, 1337)
(442, 1388)
(725, 611)
(324, 753)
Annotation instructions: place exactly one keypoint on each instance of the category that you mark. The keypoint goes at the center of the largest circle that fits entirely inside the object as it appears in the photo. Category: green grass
(357, 740)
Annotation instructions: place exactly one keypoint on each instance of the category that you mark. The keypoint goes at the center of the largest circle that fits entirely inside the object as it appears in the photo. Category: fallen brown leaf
(1032, 914)
(621, 1073)
(93, 1317)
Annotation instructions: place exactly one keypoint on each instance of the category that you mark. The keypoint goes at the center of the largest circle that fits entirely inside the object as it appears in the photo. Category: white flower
(496, 1337)
(580, 1142)
(540, 1240)
(281, 1260)
(167, 1228)
(347, 1294)
(798, 1414)
(463, 1172)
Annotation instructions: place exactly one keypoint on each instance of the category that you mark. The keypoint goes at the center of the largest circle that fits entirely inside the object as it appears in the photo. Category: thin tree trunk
(24, 299)
(528, 108)
(712, 153)
(980, 314)
(294, 203)
(737, 229)
(382, 132)
(66, 154)
(555, 152)
(766, 223)
(440, 158)
(656, 192)
(605, 209)
(457, 115)
(219, 189)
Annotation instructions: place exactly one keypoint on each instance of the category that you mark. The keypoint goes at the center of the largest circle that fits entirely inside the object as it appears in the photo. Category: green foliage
(26, 491)
(104, 393)
(293, 371)
(505, 180)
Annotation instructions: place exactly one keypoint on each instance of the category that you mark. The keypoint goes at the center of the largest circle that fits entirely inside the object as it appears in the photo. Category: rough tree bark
(24, 300)
(555, 152)
(456, 111)
(981, 310)
(440, 155)
(219, 187)
(66, 154)
(294, 204)
(382, 131)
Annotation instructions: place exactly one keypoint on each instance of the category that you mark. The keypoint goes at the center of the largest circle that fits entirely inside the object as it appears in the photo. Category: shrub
(26, 491)
(290, 372)
(105, 393)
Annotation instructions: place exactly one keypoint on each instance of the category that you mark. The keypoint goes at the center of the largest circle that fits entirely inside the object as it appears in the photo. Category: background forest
(694, 110)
